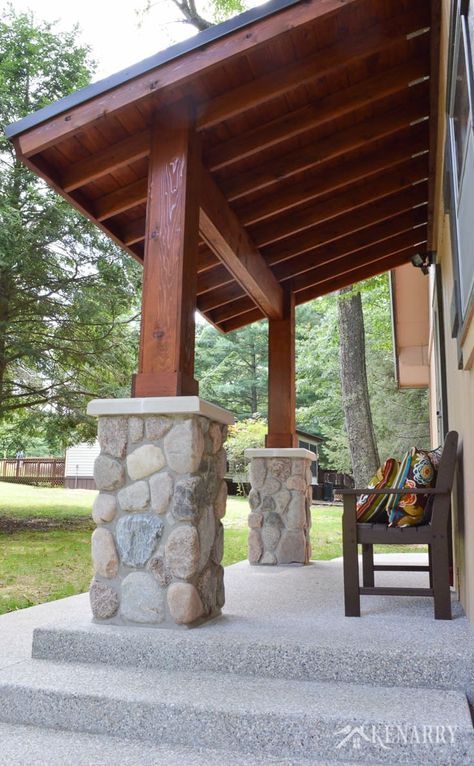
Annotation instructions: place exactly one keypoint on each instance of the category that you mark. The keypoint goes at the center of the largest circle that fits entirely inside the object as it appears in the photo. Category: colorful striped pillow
(372, 507)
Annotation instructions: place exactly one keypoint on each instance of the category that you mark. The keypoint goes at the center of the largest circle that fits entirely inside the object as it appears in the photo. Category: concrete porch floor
(283, 642)
(297, 607)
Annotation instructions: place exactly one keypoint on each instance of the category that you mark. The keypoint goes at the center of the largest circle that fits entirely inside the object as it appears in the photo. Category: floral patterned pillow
(372, 507)
(417, 472)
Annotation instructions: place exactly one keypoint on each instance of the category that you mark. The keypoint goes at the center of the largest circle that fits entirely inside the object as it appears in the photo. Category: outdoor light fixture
(423, 260)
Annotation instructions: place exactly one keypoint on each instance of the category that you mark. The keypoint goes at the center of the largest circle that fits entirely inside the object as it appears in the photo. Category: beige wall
(460, 383)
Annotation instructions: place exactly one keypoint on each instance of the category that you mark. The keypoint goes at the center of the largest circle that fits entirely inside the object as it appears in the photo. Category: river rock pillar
(158, 545)
(280, 505)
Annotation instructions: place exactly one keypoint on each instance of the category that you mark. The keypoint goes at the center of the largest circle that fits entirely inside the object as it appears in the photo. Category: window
(460, 155)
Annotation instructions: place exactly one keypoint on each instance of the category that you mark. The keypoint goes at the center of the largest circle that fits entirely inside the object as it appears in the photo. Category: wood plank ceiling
(317, 146)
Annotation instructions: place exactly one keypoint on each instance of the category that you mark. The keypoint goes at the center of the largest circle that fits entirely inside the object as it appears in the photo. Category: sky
(117, 32)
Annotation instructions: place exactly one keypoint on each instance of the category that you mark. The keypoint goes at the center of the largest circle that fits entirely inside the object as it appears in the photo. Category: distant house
(79, 468)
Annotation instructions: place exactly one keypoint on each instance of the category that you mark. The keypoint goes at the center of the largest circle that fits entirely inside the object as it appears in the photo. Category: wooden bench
(435, 535)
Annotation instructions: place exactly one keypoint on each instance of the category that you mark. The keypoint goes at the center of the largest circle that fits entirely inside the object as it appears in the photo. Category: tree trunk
(355, 393)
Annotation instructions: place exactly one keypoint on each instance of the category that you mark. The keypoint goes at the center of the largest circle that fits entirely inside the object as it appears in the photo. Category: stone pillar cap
(160, 405)
(291, 452)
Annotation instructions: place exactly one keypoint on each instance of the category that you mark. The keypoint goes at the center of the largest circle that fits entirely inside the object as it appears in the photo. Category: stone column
(158, 545)
(280, 505)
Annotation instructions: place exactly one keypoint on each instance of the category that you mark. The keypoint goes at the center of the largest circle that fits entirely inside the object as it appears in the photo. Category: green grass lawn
(45, 541)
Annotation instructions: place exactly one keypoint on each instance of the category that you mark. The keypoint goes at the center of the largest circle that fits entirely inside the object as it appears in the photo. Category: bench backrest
(444, 481)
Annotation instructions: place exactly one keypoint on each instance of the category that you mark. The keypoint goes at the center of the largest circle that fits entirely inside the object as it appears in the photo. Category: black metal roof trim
(152, 62)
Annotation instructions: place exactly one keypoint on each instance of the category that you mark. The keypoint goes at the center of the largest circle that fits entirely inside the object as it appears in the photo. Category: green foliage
(233, 369)
(67, 294)
(245, 434)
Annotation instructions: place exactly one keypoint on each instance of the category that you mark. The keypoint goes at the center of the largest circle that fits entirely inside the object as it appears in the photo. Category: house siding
(459, 381)
(79, 468)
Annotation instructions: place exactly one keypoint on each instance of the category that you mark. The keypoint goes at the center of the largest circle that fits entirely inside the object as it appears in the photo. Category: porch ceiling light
(423, 260)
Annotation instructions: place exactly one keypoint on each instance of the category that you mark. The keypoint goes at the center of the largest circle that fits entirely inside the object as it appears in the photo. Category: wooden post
(166, 365)
(281, 377)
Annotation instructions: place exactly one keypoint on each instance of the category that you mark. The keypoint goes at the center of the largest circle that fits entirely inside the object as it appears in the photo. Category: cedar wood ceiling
(317, 124)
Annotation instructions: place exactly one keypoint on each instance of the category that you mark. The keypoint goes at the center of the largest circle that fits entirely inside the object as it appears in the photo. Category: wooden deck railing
(33, 470)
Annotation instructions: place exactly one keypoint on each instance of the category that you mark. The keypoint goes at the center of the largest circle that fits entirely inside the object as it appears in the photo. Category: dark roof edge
(315, 437)
(152, 62)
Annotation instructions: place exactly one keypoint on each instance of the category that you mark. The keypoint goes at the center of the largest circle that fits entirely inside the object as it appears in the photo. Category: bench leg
(351, 562)
(440, 570)
(368, 565)
(430, 563)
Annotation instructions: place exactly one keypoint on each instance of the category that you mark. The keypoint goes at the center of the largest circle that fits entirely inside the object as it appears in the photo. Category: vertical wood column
(166, 364)
(281, 377)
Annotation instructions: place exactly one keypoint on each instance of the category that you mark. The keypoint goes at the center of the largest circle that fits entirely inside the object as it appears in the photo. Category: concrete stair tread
(27, 745)
(449, 665)
(242, 694)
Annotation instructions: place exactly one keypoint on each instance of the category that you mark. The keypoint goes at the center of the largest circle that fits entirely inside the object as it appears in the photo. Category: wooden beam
(166, 365)
(327, 109)
(218, 274)
(255, 315)
(409, 142)
(134, 231)
(351, 243)
(358, 195)
(174, 74)
(232, 309)
(323, 64)
(315, 153)
(350, 277)
(349, 222)
(348, 171)
(121, 153)
(122, 199)
(282, 378)
(224, 295)
(222, 231)
(380, 251)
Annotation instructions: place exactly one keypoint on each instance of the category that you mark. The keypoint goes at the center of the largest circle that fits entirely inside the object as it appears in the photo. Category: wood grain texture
(221, 230)
(170, 268)
(176, 73)
(282, 378)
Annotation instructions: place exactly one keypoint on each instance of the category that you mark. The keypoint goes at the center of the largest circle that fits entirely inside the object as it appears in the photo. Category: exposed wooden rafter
(221, 230)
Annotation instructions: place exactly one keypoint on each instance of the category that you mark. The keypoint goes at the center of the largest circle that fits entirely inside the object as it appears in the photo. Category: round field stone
(207, 532)
(184, 603)
(270, 537)
(186, 498)
(206, 586)
(292, 548)
(254, 499)
(215, 436)
(281, 499)
(104, 508)
(220, 589)
(137, 536)
(112, 435)
(104, 600)
(220, 502)
(296, 482)
(184, 446)
(104, 554)
(134, 498)
(144, 461)
(135, 430)
(255, 546)
(142, 599)
(218, 547)
(280, 468)
(221, 463)
(108, 473)
(182, 551)
(255, 520)
(161, 489)
(271, 486)
(159, 570)
(257, 472)
(268, 558)
(156, 427)
(296, 516)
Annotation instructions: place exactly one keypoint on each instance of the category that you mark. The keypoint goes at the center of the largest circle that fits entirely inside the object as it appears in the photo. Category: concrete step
(268, 717)
(449, 666)
(31, 745)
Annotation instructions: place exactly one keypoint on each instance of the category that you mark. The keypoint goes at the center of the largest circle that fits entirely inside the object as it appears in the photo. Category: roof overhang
(317, 121)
